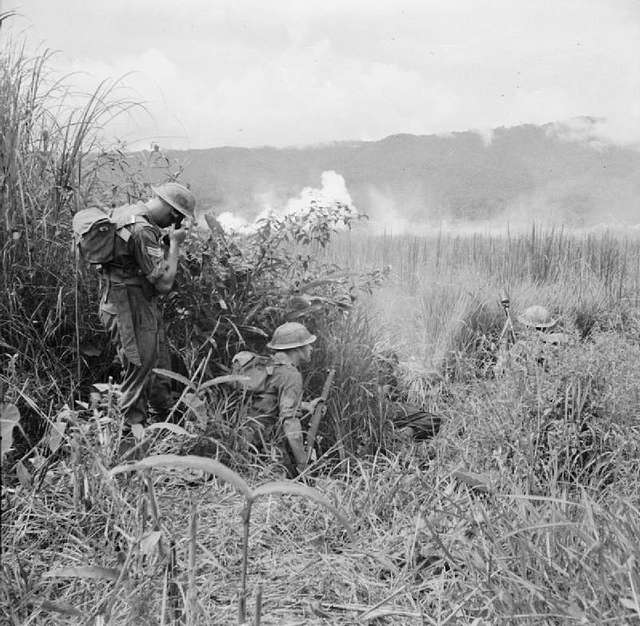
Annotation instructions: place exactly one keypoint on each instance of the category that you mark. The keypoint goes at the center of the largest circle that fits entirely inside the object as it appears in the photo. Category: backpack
(98, 236)
(255, 368)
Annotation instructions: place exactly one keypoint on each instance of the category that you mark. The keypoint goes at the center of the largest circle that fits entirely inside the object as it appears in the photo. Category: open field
(542, 526)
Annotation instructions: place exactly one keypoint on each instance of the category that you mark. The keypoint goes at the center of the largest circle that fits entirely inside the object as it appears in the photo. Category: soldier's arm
(158, 269)
(164, 282)
(289, 400)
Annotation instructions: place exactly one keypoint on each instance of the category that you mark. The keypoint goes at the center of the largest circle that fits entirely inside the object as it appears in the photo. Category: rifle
(319, 412)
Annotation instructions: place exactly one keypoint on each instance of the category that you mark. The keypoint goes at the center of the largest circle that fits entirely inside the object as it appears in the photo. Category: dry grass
(428, 550)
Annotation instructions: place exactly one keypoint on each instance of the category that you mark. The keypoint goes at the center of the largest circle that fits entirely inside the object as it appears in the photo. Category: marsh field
(523, 508)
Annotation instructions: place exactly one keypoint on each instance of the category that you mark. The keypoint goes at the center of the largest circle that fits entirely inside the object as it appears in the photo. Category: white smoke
(231, 222)
(384, 216)
(333, 189)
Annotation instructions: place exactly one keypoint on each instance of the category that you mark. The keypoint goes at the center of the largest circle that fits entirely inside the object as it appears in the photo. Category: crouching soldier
(275, 390)
(537, 343)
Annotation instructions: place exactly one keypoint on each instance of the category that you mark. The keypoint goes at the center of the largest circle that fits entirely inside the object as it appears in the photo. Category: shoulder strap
(121, 225)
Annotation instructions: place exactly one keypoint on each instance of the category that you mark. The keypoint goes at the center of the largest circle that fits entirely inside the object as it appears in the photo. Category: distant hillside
(521, 171)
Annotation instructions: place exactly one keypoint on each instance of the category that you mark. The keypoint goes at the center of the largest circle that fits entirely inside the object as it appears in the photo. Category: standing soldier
(276, 402)
(143, 268)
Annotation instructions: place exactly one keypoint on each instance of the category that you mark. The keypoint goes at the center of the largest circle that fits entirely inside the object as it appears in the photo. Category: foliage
(52, 162)
(235, 289)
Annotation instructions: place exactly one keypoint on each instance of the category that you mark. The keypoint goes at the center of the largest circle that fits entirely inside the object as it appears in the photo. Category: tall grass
(539, 257)
(53, 162)
(442, 299)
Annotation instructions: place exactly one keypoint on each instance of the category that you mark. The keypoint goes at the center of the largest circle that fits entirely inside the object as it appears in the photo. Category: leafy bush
(235, 289)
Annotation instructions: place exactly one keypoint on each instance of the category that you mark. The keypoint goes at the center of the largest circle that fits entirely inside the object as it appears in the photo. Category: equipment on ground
(507, 335)
(418, 424)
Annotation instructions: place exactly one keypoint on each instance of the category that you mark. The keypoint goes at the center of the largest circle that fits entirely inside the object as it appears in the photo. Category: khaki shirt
(533, 350)
(283, 391)
(129, 293)
(145, 250)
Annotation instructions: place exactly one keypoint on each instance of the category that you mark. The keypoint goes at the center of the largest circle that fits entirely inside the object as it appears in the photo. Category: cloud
(286, 72)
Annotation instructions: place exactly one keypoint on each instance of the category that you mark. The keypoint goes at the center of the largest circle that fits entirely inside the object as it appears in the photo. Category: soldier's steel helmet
(537, 316)
(178, 196)
(290, 335)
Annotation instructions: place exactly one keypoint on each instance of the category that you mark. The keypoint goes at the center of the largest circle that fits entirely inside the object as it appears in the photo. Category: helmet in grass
(177, 196)
(290, 335)
(537, 316)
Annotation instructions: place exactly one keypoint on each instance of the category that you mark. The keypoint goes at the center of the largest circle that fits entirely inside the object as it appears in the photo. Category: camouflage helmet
(290, 335)
(537, 316)
(177, 196)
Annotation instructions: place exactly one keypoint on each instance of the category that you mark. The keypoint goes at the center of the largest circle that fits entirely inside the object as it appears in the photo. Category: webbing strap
(114, 277)
(123, 232)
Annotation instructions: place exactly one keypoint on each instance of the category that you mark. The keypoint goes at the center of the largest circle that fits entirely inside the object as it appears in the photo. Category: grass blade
(174, 428)
(174, 376)
(188, 462)
(85, 571)
(295, 489)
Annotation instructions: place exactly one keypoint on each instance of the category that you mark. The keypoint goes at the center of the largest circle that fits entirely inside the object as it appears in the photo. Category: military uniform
(130, 313)
(282, 395)
(535, 349)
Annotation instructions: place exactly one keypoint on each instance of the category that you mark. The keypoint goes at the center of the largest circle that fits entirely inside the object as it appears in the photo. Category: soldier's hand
(178, 235)
(313, 404)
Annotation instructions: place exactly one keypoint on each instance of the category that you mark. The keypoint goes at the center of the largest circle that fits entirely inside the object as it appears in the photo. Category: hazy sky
(272, 72)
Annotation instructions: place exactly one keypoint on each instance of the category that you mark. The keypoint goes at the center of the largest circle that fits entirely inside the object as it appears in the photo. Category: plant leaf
(61, 607)
(56, 434)
(173, 375)
(90, 350)
(198, 407)
(149, 543)
(174, 428)
(23, 474)
(9, 416)
(138, 431)
(477, 482)
(227, 378)
(631, 604)
(85, 571)
(255, 330)
(191, 462)
(107, 387)
(296, 489)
